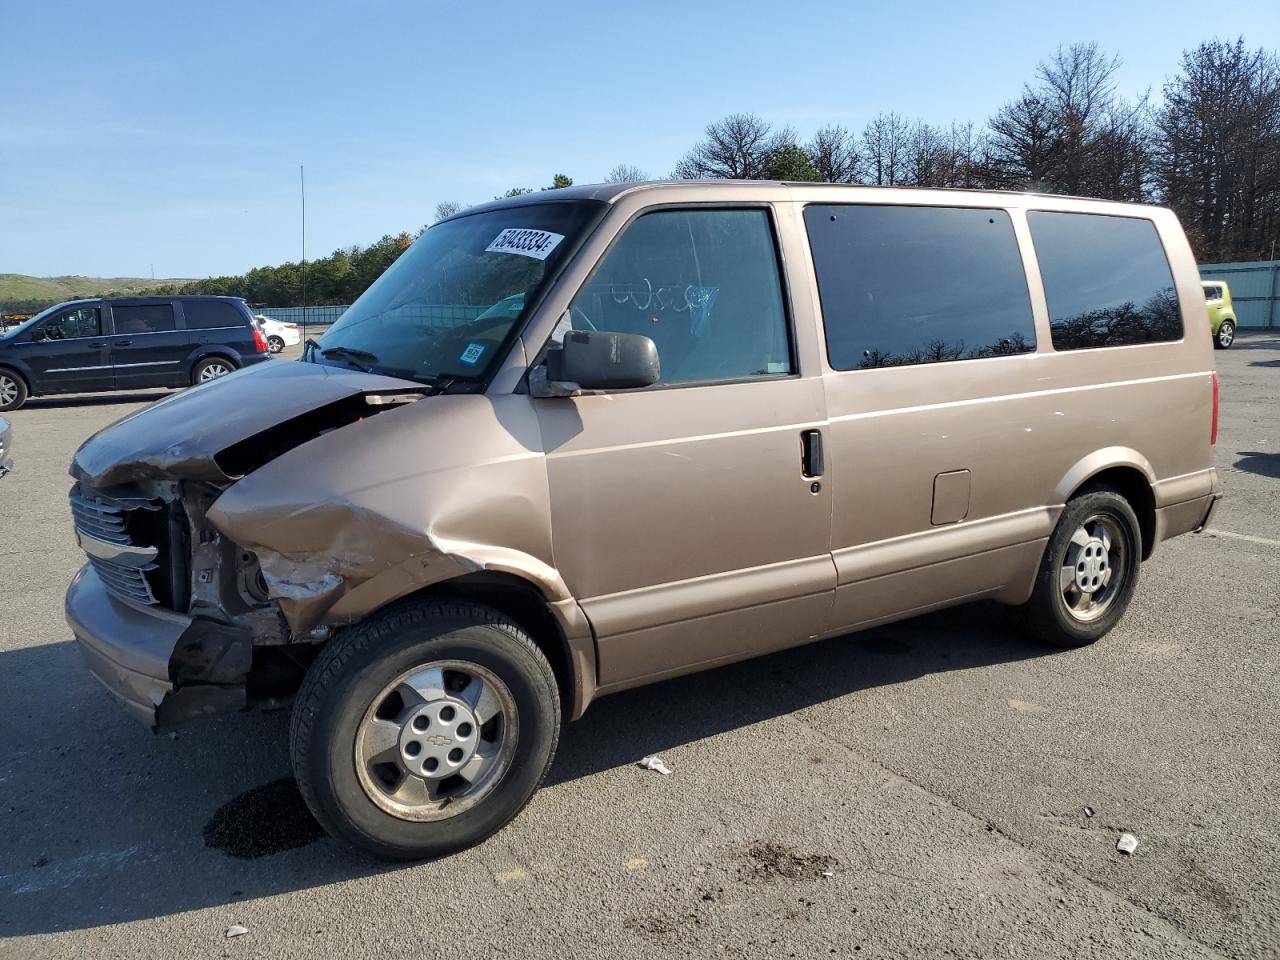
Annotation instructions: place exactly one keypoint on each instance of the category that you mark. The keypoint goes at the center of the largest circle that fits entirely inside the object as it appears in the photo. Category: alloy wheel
(1093, 569)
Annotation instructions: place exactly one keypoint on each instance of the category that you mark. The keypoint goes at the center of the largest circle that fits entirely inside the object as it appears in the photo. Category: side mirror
(598, 360)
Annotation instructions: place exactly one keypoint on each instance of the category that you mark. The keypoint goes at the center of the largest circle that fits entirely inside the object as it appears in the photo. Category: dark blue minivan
(127, 343)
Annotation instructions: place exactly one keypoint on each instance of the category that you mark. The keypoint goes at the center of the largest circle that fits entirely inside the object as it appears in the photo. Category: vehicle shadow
(94, 399)
(1263, 464)
(133, 846)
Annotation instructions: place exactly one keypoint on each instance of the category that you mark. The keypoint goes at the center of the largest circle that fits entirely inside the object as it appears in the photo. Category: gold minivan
(582, 440)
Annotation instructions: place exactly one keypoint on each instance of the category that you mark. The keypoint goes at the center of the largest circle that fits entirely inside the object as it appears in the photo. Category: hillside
(17, 288)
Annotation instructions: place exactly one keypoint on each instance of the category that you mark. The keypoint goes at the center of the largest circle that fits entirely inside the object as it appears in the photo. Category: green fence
(1255, 290)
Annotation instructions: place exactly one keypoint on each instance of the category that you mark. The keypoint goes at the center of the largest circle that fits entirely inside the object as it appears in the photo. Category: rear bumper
(164, 667)
(1208, 514)
(249, 359)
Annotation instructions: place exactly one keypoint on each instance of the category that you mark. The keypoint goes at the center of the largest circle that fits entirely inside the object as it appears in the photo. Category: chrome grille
(108, 521)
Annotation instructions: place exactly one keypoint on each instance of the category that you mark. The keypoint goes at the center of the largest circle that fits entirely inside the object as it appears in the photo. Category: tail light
(1213, 430)
(260, 344)
(291, 326)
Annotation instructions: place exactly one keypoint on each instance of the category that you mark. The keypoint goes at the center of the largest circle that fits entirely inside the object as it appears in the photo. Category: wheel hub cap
(439, 738)
(1091, 566)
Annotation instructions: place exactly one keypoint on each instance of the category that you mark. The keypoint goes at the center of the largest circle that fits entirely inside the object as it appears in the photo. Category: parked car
(1222, 317)
(86, 346)
(6, 447)
(279, 334)
(587, 439)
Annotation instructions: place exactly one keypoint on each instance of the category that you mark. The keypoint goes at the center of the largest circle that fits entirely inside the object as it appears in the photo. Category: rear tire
(276, 344)
(1226, 335)
(211, 368)
(1088, 573)
(13, 391)
(398, 752)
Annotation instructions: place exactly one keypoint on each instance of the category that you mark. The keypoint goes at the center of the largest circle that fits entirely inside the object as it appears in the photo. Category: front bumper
(165, 667)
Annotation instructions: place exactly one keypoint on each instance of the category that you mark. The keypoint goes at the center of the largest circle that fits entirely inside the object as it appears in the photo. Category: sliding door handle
(812, 461)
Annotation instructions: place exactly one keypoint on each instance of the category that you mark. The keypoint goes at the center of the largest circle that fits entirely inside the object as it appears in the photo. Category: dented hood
(179, 437)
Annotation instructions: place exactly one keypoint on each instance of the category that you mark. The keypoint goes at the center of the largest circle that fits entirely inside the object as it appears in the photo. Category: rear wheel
(1089, 570)
(1226, 335)
(211, 368)
(13, 391)
(275, 343)
(425, 729)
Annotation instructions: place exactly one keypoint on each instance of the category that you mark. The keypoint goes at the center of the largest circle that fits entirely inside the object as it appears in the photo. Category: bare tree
(833, 151)
(884, 150)
(735, 148)
(1022, 149)
(626, 173)
(447, 208)
(1218, 153)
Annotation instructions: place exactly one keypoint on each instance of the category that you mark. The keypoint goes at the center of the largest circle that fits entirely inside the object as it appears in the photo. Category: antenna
(302, 182)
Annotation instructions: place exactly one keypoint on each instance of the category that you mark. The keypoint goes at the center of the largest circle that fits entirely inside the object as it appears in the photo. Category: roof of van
(610, 192)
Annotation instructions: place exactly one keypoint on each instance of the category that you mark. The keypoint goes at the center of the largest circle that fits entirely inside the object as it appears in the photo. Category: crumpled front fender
(373, 511)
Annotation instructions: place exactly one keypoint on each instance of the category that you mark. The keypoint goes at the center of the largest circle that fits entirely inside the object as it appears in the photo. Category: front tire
(1226, 335)
(1089, 571)
(13, 391)
(425, 729)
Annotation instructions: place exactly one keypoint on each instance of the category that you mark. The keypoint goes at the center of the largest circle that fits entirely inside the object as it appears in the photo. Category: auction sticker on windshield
(526, 242)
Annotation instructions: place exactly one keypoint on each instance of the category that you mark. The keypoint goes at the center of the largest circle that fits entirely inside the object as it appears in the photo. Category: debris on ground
(828, 873)
(774, 861)
(235, 930)
(1127, 843)
(1089, 811)
(655, 763)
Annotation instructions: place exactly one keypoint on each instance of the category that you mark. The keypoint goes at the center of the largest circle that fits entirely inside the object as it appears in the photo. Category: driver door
(68, 353)
(684, 520)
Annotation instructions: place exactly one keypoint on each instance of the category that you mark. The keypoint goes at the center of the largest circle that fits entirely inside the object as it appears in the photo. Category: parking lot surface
(940, 786)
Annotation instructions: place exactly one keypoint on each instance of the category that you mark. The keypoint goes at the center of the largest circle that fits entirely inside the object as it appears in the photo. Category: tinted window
(906, 285)
(1213, 293)
(81, 322)
(703, 285)
(1106, 279)
(203, 314)
(143, 318)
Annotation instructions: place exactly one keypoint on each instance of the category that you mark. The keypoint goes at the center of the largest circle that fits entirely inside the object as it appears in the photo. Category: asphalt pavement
(937, 787)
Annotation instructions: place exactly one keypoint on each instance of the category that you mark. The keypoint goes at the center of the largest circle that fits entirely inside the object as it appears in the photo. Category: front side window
(81, 322)
(144, 318)
(703, 285)
(1106, 278)
(446, 306)
(905, 285)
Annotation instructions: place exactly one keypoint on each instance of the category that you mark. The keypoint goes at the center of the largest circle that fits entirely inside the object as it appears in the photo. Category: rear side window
(703, 285)
(206, 314)
(909, 285)
(143, 318)
(1213, 293)
(1106, 278)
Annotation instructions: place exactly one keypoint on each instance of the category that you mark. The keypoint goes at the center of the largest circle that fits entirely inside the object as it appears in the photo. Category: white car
(279, 335)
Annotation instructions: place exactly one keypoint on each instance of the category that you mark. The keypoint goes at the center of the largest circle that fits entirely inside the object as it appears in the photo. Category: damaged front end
(174, 617)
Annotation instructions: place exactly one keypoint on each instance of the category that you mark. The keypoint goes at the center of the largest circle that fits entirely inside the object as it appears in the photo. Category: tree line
(1208, 146)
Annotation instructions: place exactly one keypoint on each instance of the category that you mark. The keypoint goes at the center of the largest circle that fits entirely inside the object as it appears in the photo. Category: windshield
(28, 324)
(444, 309)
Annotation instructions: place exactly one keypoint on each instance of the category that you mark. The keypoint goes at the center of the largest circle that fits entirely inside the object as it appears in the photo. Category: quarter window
(703, 285)
(144, 318)
(81, 322)
(909, 285)
(203, 314)
(1106, 278)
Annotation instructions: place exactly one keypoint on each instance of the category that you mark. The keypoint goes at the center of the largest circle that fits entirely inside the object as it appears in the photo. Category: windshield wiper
(359, 358)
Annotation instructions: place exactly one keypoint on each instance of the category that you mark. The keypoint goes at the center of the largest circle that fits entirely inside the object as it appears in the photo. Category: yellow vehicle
(1222, 318)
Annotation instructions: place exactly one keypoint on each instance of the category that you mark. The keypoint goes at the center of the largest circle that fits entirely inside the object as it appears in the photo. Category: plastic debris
(1127, 843)
(1089, 811)
(828, 873)
(655, 763)
(235, 930)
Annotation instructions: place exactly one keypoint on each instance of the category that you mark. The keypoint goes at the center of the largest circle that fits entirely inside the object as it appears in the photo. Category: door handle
(96, 346)
(123, 343)
(812, 462)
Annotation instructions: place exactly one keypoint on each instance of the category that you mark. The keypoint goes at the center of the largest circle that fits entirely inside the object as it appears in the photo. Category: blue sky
(136, 133)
